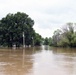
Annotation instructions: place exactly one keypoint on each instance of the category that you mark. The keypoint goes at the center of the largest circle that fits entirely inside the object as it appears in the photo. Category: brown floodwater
(42, 60)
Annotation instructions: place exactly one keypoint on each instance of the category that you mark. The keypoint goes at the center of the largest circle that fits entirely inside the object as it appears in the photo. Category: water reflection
(65, 58)
(55, 61)
(64, 50)
(45, 47)
(16, 62)
(42, 60)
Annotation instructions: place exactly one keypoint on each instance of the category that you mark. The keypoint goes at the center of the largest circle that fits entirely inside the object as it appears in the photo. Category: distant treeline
(65, 37)
(12, 28)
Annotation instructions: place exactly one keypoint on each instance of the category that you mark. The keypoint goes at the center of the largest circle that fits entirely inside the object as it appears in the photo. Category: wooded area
(12, 27)
(65, 37)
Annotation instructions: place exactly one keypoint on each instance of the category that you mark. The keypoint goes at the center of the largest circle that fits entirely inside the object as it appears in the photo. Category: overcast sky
(48, 15)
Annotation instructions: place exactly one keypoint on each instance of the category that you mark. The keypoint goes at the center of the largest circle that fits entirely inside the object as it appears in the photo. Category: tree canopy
(12, 27)
(65, 37)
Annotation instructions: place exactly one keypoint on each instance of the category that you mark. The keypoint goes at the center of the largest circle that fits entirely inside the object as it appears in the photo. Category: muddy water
(38, 61)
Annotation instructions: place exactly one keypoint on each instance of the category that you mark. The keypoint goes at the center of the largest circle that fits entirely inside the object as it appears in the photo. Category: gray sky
(48, 15)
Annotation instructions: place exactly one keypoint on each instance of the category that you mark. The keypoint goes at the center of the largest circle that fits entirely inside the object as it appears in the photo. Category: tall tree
(46, 41)
(56, 37)
(65, 37)
(12, 26)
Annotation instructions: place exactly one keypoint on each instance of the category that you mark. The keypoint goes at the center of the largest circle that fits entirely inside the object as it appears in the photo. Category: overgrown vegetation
(66, 37)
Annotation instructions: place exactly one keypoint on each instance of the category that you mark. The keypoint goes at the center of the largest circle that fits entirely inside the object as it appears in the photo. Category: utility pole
(33, 41)
(23, 40)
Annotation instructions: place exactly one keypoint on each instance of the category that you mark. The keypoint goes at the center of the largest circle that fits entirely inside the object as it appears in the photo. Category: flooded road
(38, 61)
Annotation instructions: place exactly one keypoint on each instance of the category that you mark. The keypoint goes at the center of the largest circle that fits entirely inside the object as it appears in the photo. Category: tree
(65, 37)
(12, 26)
(68, 32)
(50, 41)
(46, 41)
(37, 39)
(56, 37)
(73, 42)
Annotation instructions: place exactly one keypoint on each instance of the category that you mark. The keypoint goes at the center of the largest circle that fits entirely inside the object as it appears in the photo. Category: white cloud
(47, 14)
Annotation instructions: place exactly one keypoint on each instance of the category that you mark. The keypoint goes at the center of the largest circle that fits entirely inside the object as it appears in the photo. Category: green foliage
(12, 27)
(50, 41)
(64, 42)
(46, 41)
(38, 40)
(73, 41)
(65, 37)
(56, 37)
